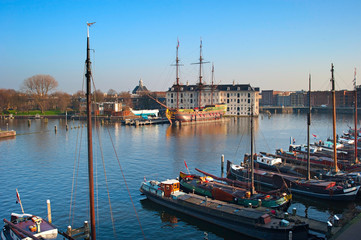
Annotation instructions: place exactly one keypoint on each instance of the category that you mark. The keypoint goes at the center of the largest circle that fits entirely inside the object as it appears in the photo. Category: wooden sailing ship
(212, 112)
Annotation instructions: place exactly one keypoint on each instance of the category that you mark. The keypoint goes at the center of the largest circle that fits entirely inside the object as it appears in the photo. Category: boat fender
(32, 228)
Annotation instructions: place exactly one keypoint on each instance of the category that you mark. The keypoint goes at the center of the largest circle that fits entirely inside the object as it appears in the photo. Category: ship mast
(177, 76)
(200, 84)
(252, 160)
(88, 76)
(212, 89)
(355, 99)
(334, 118)
(308, 127)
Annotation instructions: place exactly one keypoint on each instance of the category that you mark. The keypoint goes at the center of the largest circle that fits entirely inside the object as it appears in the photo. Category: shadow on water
(171, 218)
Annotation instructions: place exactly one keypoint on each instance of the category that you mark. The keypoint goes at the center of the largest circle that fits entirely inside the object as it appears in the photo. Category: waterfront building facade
(238, 97)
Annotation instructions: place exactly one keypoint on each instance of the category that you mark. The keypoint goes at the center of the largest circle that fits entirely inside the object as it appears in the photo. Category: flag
(177, 43)
(18, 197)
(145, 179)
(314, 135)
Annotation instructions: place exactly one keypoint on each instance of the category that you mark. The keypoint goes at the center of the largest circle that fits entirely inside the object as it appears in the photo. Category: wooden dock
(5, 134)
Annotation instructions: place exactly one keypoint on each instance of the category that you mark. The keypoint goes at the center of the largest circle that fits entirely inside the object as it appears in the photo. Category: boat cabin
(270, 161)
(169, 187)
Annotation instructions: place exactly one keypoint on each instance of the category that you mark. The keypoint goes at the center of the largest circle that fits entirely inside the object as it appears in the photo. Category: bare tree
(112, 93)
(39, 86)
(60, 101)
(98, 96)
(126, 98)
(76, 100)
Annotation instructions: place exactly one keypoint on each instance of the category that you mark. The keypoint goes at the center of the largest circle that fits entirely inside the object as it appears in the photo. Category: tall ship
(201, 113)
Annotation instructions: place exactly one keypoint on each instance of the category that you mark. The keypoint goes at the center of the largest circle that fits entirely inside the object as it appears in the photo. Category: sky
(270, 44)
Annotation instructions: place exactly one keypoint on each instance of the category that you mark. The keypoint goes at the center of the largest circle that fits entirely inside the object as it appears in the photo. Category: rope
(125, 181)
(106, 182)
(75, 178)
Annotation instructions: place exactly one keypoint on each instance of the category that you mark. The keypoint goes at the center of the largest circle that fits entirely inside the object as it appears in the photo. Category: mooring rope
(125, 181)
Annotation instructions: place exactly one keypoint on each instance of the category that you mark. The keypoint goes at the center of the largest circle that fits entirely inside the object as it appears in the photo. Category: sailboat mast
(354, 83)
(90, 147)
(334, 118)
(200, 76)
(212, 89)
(308, 127)
(252, 160)
(177, 76)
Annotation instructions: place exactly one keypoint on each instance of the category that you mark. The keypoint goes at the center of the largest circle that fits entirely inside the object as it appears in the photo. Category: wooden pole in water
(49, 210)
(222, 162)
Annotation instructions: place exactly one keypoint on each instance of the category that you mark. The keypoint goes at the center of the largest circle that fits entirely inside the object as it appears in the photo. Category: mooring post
(55, 128)
(67, 127)
(68, 231)
(49, 210)
(222, 162)
(29, 122)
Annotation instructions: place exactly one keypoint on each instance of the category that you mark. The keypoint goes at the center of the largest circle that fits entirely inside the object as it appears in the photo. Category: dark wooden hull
(313, 188)
(229, 220)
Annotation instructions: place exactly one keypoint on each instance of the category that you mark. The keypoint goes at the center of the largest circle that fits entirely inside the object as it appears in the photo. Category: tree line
(39, 92)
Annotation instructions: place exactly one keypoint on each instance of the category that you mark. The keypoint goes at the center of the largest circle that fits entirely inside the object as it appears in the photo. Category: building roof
(223, 87)
(140, 88)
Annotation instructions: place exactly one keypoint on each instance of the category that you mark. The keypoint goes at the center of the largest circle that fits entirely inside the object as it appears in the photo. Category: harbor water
(46, 164)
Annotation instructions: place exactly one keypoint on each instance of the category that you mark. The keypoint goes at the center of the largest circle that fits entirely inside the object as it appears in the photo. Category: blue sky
(270, 44)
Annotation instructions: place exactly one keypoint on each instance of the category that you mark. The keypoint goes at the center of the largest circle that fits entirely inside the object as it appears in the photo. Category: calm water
(42, 163)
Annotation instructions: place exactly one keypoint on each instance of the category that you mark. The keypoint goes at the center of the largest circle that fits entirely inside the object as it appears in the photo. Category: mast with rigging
(200, 84)
(177, 75)
(334, 118)
(212, 87)
(88, 76)
(355, 99)
(308, 128)
(252, 157)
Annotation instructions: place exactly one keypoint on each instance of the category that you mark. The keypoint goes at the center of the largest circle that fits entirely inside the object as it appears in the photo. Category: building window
(191, 95)
(191, 100)
(227, 94)
(237, 100)
(171, 101)
(227, 100)
(237, 94)
(171, 95)
(249, 95)
(181, 95)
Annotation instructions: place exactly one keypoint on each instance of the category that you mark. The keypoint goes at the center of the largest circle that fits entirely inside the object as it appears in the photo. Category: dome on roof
(140, 88)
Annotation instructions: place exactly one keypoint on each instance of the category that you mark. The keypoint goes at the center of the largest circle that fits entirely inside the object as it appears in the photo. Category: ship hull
(228, 222)
(192, 116)
(277, 180)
